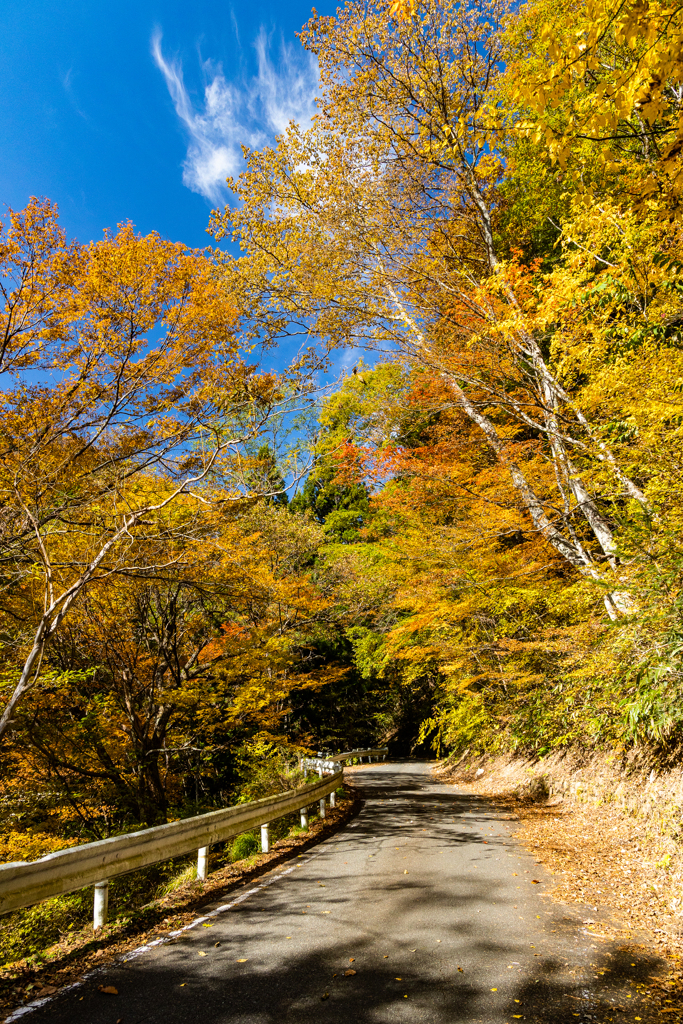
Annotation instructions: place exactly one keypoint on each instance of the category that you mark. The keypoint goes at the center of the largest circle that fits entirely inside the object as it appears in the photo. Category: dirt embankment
(613, 839)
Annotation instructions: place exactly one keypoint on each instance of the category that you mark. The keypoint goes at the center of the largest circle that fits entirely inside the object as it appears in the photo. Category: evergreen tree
(341, 509)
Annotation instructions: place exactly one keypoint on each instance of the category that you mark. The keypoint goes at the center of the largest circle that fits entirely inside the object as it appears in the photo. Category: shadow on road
(196, 980)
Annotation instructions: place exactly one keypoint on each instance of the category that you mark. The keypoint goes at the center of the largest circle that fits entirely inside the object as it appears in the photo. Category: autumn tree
(151, 685)
(122, 382)
(605, 79)
(381, 227)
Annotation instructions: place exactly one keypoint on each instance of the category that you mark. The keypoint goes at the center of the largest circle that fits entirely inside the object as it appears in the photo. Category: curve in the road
(422, 909)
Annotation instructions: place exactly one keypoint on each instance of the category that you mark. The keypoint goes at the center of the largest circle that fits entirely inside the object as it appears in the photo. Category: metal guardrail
(22, 884)
(329, 762)
(321, 765)
(360, 754)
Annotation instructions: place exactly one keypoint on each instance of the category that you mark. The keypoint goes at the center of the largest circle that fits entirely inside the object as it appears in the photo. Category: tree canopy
(471, 538)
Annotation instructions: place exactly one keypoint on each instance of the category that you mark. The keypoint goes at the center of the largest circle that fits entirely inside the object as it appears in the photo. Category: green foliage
(340, 508)
(244, 845)
(26, 933)
(266, 477)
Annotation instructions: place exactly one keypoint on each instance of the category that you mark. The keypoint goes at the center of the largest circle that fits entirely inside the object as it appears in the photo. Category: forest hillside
(449, 520)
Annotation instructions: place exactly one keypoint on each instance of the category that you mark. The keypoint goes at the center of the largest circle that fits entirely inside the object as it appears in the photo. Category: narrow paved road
(426, 896)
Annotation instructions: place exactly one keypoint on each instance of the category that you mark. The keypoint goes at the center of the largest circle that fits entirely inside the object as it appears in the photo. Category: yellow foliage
(21, 846)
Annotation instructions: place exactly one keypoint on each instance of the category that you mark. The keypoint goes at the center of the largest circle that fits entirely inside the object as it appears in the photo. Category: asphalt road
(426, 896)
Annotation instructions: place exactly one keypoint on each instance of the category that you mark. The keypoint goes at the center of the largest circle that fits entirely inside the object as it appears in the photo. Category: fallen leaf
(514, 874)
(494, 989)
(413, 950)
(324, 911)
(216, 944)
(325, 995)
(207, 924)
(386, 956)
(48, 990)
(183, 984)
(405, 872)
(399, 979)
(201, 953)
(108, 989)
(347, 974)
(351, 959)
(535, 881)
(242, 961)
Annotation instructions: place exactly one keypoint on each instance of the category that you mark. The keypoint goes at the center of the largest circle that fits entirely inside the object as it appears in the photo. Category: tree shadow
(246, 970)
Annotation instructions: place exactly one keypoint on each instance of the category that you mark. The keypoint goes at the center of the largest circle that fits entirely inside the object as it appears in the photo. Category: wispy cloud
(244, 112)
(68, 83)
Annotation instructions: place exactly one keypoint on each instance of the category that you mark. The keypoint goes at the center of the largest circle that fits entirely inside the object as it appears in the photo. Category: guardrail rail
(22, 883)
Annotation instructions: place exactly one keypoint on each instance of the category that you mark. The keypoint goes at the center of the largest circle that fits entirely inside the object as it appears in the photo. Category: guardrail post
(322, 806)
(100, 905)
(203, 862)
(24, 885)
(265, 838)
(333, 799)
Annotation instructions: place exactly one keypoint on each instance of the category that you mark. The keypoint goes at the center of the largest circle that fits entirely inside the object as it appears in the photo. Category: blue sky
(136, 109)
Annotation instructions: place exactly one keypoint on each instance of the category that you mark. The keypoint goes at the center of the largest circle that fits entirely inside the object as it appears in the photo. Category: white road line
(135, 953)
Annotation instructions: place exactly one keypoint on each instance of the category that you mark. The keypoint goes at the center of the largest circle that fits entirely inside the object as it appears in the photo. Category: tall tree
(121, 367)
(380, 226)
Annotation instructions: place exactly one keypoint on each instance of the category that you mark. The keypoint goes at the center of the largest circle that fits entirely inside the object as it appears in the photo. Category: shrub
(244, 846)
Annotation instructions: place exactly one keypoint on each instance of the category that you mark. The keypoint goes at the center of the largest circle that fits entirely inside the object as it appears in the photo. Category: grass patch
(188, 874)
(243, 846)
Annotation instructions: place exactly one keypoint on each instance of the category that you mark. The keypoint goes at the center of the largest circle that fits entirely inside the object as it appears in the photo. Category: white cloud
(288, 93)
(247, 112)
